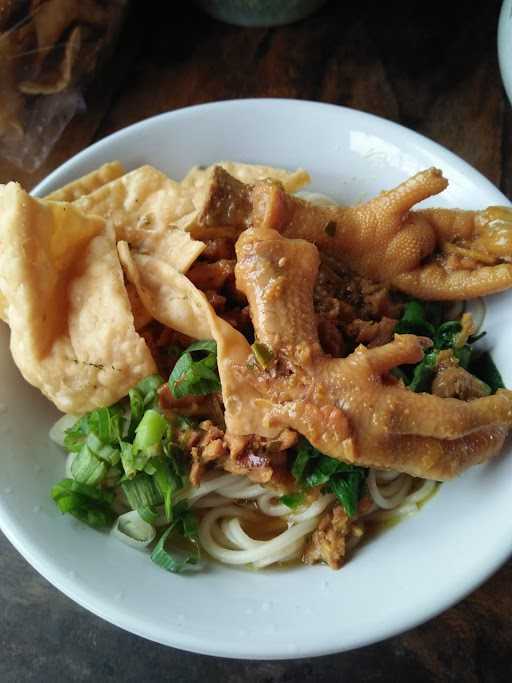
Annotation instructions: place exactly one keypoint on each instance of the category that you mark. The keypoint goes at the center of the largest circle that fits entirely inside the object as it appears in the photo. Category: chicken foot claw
(351, 408)
(438, 254)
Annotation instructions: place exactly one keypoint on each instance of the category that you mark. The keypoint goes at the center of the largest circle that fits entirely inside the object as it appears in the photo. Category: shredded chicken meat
(332, 538)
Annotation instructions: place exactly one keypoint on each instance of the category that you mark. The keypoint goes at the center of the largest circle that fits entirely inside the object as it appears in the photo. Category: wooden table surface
(430, 66)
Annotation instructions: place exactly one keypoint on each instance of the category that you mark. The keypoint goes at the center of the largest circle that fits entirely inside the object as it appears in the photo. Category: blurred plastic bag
(49, 51)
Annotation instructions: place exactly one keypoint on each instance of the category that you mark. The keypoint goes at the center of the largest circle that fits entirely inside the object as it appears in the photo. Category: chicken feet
(352, 408)
(435, 254)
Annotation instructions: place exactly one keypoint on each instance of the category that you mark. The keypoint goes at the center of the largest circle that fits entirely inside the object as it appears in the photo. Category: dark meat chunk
(328, 542)
(372, 333)
(219, 248)
(331, 339)
(212, 275)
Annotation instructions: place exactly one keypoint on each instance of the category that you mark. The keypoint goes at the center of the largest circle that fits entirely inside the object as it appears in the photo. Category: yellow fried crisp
(72, 330)
(167, 294)
(143, 207)
(88, 183)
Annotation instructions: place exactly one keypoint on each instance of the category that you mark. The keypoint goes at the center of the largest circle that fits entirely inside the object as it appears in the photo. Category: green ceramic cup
(260, 12)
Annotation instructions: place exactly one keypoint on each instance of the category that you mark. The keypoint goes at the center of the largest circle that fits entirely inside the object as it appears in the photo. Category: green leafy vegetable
(445, 336)
(312, 468)
(463, 355)
(424, 372)
(483, 367)
(87, 503)
(196, 372)
(347, 489)
(305, 452)
(426, 319)
(293, 500)
(323, 469)
(414, 321)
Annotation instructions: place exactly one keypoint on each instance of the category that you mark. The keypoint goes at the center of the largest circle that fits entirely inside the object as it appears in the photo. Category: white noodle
(278, 546)
(314, 509)
(223, 536)
(269, 504)
(391, 496)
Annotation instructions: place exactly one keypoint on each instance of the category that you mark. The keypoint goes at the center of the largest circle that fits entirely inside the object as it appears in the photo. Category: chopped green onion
(148, 388)
(207, 345)
(131, 529)
(166, 481)
(148, 514)
(87, 469)
(134, 461)
(263, 354)
(75, 435)
(136, 409)
(141, 492)
(58, 431)
(87, 503)
(174, 558)
(150, 431)
(106, 423)
(106, 452)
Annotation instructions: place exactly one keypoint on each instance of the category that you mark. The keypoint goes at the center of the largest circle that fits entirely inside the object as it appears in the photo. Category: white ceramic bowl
(505, 46)
(405, 576)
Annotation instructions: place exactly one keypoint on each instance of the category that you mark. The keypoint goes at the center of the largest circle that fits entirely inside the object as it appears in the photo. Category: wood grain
(430, 66)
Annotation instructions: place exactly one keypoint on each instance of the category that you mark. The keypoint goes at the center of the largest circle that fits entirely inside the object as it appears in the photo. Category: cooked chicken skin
(351, 408)
(436, 254)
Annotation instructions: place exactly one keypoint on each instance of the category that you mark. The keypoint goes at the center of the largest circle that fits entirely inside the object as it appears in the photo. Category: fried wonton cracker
(143, 206)
(72, 331)
(175, 301)
(167, 294)
(88, 183)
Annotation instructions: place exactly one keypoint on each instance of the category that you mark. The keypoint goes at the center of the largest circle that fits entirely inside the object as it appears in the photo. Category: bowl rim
(187, 641)
(505, 46)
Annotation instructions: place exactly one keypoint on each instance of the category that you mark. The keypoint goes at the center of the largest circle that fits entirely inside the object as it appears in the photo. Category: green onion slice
(131, 529)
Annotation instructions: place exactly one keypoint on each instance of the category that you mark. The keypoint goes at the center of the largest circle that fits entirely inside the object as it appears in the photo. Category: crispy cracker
(167, 294)
(143, 206)
(88, 183)
(173, 300)
(72, 331)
